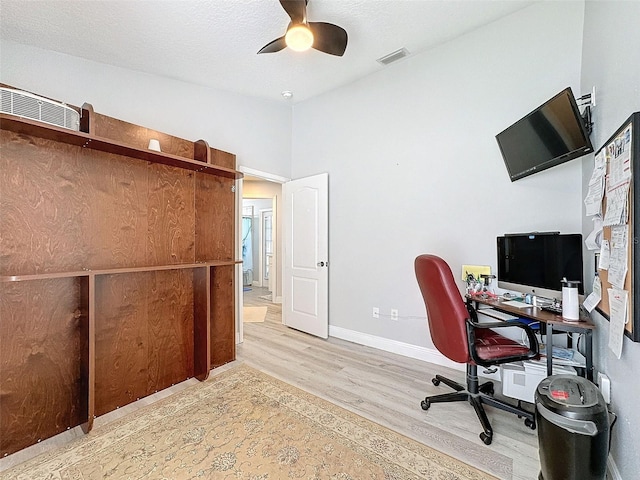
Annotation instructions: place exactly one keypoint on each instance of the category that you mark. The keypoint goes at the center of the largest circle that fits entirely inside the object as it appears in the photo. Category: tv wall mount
(587, 101)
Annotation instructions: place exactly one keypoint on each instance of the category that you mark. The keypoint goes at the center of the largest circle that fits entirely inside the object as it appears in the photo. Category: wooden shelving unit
(117, 272)
(50, 132)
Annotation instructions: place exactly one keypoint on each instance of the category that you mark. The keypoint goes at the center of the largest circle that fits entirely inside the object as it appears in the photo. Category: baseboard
(612, 468)
(425, 354)
(278, 299)
(430, 355)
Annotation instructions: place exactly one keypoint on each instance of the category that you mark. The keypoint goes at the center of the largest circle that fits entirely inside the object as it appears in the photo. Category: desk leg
(549, 346)
(588, 350)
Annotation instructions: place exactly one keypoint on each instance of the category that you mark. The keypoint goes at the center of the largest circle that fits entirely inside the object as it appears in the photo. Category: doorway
(259, 231)
(257, 243)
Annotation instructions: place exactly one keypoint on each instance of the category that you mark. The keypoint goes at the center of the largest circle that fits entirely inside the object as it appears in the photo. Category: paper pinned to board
(593, 200)
(617, 208)
(618, 259)
(475, 270)
(605, 254)
(595, 296)
(594, 240)
(618, 304)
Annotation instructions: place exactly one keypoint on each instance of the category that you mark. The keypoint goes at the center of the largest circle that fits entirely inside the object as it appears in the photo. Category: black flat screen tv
(537, 262)
(552, 134)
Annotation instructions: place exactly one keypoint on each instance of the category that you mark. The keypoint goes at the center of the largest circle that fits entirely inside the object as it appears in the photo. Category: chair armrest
(534, 348)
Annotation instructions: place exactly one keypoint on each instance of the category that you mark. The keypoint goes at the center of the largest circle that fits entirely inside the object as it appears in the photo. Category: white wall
(611, 63)
(257, 131)
(414, 166)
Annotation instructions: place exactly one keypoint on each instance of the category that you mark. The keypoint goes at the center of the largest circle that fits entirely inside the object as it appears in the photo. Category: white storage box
(520, 379)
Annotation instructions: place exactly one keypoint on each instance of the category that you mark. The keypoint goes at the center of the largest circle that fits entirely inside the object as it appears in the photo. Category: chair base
(478, 396)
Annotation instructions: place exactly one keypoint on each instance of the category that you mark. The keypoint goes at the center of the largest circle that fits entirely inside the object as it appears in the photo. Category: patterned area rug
(243, 424)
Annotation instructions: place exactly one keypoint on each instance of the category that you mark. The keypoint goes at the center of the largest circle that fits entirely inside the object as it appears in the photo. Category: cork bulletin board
(627, 136)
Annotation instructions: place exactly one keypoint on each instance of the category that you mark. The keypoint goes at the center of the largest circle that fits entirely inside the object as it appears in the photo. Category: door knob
(321, 264)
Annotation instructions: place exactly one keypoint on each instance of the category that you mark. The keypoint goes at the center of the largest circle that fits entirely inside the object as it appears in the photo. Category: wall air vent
(393, 56)
(28, 105)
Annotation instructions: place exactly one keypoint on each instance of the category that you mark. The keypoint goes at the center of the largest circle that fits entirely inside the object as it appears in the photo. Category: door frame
(262, 253)
(269, 177)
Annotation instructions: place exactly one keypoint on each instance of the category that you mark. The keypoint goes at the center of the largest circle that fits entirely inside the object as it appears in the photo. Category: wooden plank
(222, 159)
(215, 218)
(43, 348)
(223, 344)
(171, 216)
(170, 301)
(87, 365)
(201, 324)
(116, 212)
(42, 210)
(121, 340)
(138, 137)
(116, 271)
(144, 335)
(202, 151)
(32, 128)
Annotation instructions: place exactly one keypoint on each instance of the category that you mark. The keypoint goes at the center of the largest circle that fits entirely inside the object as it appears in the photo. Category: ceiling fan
(302, 34)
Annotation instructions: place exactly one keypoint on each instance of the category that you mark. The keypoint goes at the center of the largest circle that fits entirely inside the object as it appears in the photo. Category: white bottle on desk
(570, 301)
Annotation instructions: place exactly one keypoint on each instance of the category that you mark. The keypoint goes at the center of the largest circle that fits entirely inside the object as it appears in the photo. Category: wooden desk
(549, 322)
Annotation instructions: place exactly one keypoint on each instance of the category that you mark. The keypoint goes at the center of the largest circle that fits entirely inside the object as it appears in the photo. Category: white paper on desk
(593, 200)
(616, 213)
(619, 253)
(594, 240)
(516, 303)
(605, 254)
(595, 296)
(618, 300)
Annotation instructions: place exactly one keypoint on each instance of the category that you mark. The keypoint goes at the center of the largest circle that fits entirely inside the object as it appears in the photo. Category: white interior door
(306, 255)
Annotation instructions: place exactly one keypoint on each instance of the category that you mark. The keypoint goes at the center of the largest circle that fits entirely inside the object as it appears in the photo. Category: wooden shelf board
(71, 137)
(115, 271)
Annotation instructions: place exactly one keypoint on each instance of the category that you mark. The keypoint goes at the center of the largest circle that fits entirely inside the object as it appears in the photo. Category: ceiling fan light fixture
(299, 38)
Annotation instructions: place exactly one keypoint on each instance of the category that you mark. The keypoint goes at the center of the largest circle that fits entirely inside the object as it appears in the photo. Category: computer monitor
(537, 262)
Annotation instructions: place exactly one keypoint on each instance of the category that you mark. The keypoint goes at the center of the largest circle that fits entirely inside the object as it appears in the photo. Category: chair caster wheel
(487, 439)
(435, 381)
(530, 423)
(425, 404)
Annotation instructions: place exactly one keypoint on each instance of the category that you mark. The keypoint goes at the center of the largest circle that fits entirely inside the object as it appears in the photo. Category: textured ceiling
(214, 43)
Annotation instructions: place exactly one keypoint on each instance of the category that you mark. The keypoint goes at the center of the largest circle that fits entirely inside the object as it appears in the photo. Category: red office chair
(456, 333)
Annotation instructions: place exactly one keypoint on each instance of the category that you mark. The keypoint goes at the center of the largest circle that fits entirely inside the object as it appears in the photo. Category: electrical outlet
(394, 314)
(605, 386)
(376, 312)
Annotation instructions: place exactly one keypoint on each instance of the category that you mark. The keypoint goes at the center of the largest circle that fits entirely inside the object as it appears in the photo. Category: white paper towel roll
(570, 301)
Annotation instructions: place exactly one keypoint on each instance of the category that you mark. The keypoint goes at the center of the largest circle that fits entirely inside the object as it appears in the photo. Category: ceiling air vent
(28, 105)
(393, 56)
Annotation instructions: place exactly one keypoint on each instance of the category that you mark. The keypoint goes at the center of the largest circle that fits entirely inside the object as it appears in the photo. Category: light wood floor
(387, 389)
(378, 385)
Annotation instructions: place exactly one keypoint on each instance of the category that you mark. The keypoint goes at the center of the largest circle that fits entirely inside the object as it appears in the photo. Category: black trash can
(573, 429)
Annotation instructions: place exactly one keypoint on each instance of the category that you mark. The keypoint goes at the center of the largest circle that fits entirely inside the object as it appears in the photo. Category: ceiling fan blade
(296, 9)
(329, 38)
(275, 46)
